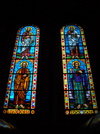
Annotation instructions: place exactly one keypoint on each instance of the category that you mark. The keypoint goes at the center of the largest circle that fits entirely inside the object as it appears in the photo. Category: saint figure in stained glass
(73, 41)
(79, 91)
(27, 40)
(21, 85)
(78, 84)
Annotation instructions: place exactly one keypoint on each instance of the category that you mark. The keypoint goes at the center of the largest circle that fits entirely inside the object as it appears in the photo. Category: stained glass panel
(79, 91)
(21, 88)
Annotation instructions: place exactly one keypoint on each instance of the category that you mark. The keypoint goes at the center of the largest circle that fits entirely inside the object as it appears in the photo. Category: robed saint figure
(73, 42)
(78, 84)
(21, 85)
(27, 39)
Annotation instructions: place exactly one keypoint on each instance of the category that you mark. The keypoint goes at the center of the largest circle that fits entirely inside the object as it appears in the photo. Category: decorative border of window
(65, 80)
(34, 83)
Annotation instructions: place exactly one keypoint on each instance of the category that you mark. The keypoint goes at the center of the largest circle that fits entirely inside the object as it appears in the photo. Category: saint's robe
(21, 85)
(28, 40)
(78, 83)
(73, 42)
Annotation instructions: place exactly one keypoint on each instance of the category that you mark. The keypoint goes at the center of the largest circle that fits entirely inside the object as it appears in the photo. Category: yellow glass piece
(62, 40)
(71, 27)
(94, 103)
(64, 65)
(84, 43)
(66, 99)
(77, 112)
(86, 52)
(62, 36)
(16, 111)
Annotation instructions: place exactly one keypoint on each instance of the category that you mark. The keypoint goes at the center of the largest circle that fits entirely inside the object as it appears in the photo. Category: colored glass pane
(21, 88)
(79, 91)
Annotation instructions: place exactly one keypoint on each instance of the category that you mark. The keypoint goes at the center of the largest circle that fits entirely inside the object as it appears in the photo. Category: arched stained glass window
(79, 91)
(22, 82)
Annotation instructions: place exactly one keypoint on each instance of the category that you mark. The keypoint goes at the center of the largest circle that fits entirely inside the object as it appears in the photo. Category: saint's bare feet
(78, 107)
(85, 105)
(16, 106)
(77, 57)
(22, 106)
(26, 57)
(22, 57)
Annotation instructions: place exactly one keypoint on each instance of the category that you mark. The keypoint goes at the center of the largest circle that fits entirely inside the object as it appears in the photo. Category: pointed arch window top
(66, 28)
(33, 30)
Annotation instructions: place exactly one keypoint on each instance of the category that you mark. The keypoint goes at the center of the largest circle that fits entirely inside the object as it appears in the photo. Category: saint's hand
(25, 75)
(80, 71)
(27, 36)
(22, 42)
(85, 87)
(71, 70)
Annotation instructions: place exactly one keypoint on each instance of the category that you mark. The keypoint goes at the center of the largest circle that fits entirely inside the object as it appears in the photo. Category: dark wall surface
(49, 116)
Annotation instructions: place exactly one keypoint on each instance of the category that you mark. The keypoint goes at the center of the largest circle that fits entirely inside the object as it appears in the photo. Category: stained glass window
(22, 82)
(79, 91)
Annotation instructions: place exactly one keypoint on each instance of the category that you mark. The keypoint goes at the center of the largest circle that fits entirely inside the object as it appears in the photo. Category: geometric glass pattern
(79, 91)
(20, 95)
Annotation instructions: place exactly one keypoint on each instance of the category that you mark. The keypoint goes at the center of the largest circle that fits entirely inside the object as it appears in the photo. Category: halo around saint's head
(24, 62)
(28, 27)
(72, 27)
(75, 62)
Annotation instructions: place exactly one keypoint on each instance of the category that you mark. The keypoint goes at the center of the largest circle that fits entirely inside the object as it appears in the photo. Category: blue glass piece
(67, 50)
(71, 106)
(5, 103)
(33, 94)
(33, 85)
(29, 93)
(33, 103)
(7, 95)
(11, 70)
(13, 63)
(8, 85)
(11, 95)
(34, 77)
(5, 126)
(81, 112)
(28, 98)
(10, 78)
